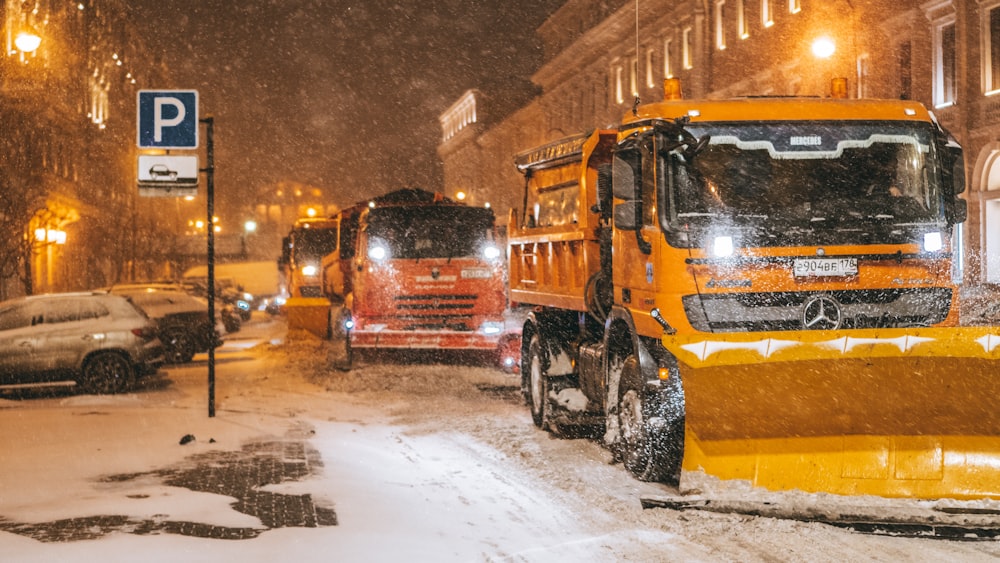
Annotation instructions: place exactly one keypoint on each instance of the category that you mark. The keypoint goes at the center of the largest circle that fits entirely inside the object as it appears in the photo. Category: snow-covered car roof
(159, 300)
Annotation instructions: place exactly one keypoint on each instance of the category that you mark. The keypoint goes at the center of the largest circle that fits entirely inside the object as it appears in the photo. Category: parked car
(182, 319)
(101, 342)
(232, 310)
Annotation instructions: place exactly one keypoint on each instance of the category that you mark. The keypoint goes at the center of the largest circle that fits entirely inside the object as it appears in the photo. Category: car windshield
(433, 232)
(805, 179)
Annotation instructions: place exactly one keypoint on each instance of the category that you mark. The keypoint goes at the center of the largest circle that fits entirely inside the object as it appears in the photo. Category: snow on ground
(421, 462)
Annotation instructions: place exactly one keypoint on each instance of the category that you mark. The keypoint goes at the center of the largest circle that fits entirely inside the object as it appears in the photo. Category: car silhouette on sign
(160, 173)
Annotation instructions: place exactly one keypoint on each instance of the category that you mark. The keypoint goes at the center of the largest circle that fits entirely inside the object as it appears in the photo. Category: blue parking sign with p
(168, 119)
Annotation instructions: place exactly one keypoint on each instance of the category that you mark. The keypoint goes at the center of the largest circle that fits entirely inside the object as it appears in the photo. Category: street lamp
(27, 41)
(824, 47)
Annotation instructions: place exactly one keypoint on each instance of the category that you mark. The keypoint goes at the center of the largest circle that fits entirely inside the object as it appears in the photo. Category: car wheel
(231, 322)
(178, 346)
(106, 373)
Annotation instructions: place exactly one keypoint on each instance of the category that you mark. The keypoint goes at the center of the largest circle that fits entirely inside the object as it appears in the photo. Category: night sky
(342, 95)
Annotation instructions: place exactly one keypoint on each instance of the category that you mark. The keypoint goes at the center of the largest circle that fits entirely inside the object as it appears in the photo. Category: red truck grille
(436, 311)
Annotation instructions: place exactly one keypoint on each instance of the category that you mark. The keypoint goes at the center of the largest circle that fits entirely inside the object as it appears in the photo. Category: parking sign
(168, 119)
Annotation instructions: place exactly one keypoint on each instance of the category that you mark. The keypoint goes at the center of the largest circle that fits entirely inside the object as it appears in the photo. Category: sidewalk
(243, 475)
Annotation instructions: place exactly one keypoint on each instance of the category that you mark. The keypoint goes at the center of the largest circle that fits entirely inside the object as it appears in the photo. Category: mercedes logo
(821, 313)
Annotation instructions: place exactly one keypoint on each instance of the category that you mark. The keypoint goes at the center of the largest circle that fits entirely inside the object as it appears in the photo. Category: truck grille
(881, 308)
(436, 312)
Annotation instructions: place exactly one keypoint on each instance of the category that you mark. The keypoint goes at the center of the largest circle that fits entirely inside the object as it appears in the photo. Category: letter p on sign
(168, 119)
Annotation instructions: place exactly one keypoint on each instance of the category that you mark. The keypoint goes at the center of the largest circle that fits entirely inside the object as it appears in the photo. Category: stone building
(600, 55)
(70, 215)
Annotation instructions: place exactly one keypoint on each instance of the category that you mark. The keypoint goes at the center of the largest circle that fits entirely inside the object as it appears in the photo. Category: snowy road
(419, 462)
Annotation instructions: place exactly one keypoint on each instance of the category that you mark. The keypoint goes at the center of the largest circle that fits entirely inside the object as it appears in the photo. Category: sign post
(168, 119)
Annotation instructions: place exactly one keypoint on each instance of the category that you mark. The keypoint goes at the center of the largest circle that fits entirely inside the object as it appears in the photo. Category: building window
(687, 47)
(904, 56)
(743, 27)
(668, 69)
(794, 6)
(633, 78)
(991, 49)
(864, 64)
(720, 24)
(650, 74)
(766, 17)
(619, 87)
(945, 67)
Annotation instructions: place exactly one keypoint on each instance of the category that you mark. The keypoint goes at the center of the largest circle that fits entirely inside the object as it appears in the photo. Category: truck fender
(555, 330)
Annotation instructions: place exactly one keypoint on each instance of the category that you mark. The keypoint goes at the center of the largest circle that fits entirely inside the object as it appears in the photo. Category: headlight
(491, 327)
(933, 242)
(723, 247)
(378, 252)
(309, 270)
(491, 252)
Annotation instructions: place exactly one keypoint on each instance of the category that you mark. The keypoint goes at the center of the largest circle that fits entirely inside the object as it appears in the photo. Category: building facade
(602, 55)
(70, 215)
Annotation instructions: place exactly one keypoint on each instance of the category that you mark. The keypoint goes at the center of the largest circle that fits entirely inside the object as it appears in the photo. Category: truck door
(636, 230)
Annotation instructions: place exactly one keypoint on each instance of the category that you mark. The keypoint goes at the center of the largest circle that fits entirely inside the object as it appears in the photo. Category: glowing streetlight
(824, 47)
(27, 41)
(460, 196)
(250, 226)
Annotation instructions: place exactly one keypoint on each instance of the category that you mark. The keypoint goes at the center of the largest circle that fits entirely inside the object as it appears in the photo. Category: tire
(642, 443)
(106, 373)
(178, 345)
(538, 384)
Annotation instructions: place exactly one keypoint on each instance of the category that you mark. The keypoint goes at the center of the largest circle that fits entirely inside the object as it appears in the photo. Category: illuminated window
(619, 87)
(650, 74)
(633, 78)
(794, 6)
(687, 47)
(945, 72)
(766, 17)
(720, 24)
(864, 64)
(668, 69)
(991, 47)
(741, 20)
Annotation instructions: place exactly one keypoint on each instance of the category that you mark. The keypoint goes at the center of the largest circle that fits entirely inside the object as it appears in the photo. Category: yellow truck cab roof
(783, 109)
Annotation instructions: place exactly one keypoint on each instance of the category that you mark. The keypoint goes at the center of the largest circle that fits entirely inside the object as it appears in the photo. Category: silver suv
(101, 342)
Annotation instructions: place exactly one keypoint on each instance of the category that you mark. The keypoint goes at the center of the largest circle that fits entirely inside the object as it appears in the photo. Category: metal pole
(210, 196)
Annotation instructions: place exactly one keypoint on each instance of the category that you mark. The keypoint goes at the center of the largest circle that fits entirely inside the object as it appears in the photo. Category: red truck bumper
(412, 339)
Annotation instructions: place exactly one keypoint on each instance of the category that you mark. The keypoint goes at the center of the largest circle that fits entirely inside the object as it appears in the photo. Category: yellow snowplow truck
(761, 290)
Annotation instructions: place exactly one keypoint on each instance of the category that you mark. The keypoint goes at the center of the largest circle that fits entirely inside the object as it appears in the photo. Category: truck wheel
(538, 384)
(639, 443)
(105, 373)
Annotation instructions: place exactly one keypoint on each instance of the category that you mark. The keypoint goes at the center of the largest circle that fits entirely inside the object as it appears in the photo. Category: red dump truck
(416, 270)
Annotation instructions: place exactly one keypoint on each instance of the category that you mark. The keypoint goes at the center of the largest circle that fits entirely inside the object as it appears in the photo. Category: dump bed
(553, 242)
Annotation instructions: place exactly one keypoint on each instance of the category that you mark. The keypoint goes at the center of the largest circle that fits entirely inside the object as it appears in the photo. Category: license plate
(825, 267)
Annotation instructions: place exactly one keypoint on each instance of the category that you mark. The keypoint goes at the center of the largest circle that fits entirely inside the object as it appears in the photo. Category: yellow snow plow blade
(890, 412)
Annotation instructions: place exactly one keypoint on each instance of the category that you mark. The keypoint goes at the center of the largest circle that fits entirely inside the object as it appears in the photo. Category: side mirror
(624, 184)
(958, 176)
(627, 215)
(957, 212)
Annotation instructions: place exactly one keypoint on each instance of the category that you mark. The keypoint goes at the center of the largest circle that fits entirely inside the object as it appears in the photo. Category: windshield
(314, 243)
(805, 182)
(431, 232)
